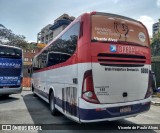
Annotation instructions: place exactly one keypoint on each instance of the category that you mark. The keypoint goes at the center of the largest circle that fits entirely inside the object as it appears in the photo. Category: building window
(31, 59)
(33, 51)
(25, 59)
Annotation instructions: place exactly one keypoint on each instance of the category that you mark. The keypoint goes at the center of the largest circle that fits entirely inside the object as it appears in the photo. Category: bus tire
(52, 104)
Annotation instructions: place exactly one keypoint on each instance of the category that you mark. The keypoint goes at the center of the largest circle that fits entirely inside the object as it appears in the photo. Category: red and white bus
(97, 69)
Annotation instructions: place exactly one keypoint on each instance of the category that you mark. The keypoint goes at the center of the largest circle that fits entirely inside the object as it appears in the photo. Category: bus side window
(69, 39)
(35, 64)
(61, 49)
(53, 59)
(64, 57)
(56, 58)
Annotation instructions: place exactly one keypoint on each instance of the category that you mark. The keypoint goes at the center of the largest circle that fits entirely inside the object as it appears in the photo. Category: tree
(155, 46)
(7, 37)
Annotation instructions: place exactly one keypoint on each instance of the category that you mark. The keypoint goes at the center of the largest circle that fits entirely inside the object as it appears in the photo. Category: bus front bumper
(89, 112)
(16, 90)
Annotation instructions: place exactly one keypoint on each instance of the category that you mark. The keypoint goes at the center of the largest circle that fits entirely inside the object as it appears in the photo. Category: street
(25, 108)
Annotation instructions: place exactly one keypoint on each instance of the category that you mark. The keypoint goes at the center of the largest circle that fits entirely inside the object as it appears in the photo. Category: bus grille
(121, 60)
(10, 72)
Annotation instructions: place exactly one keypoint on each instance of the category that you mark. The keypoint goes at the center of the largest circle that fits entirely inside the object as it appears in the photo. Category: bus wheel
(52, 104)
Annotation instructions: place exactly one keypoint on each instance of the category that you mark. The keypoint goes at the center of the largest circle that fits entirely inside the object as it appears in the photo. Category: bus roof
(114, 15)
(2, 45)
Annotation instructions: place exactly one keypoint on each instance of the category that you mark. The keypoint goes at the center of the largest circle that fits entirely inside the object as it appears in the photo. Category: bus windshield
(7, 52)
(118, 30)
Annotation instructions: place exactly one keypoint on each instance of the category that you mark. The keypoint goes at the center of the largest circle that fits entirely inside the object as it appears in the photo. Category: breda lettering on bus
(126, 49)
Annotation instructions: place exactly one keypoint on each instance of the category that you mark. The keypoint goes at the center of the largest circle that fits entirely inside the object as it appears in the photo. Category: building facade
(28, 55)
(156, 28)
(49, 32)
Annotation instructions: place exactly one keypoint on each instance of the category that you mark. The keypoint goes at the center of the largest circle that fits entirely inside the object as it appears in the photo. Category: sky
(28, 17)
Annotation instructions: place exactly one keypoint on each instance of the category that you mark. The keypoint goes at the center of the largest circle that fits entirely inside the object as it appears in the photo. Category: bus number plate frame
(125, 109)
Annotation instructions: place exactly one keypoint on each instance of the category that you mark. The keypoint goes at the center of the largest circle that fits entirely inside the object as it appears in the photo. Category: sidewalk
(26, 89)
(155, 100)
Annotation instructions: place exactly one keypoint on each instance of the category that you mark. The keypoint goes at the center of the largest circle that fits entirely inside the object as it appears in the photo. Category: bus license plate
(125, 109)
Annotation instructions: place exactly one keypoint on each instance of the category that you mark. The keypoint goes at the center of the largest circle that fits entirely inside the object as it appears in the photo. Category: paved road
(24, 108)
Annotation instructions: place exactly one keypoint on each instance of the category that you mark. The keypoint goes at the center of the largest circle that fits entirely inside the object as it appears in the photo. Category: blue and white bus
(10, 70)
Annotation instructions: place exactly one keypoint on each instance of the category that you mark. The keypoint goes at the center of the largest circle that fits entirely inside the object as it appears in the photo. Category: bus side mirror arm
(29, 71)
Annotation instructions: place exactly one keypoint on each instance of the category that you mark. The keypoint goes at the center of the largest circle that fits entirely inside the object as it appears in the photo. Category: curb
(155, 103)
(26, 89)
(154, 96)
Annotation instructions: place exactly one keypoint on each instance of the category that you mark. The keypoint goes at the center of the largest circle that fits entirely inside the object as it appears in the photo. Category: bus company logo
(121, 29)
(16, 65)
(113, 48)
(142, 36)
(6, 127)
